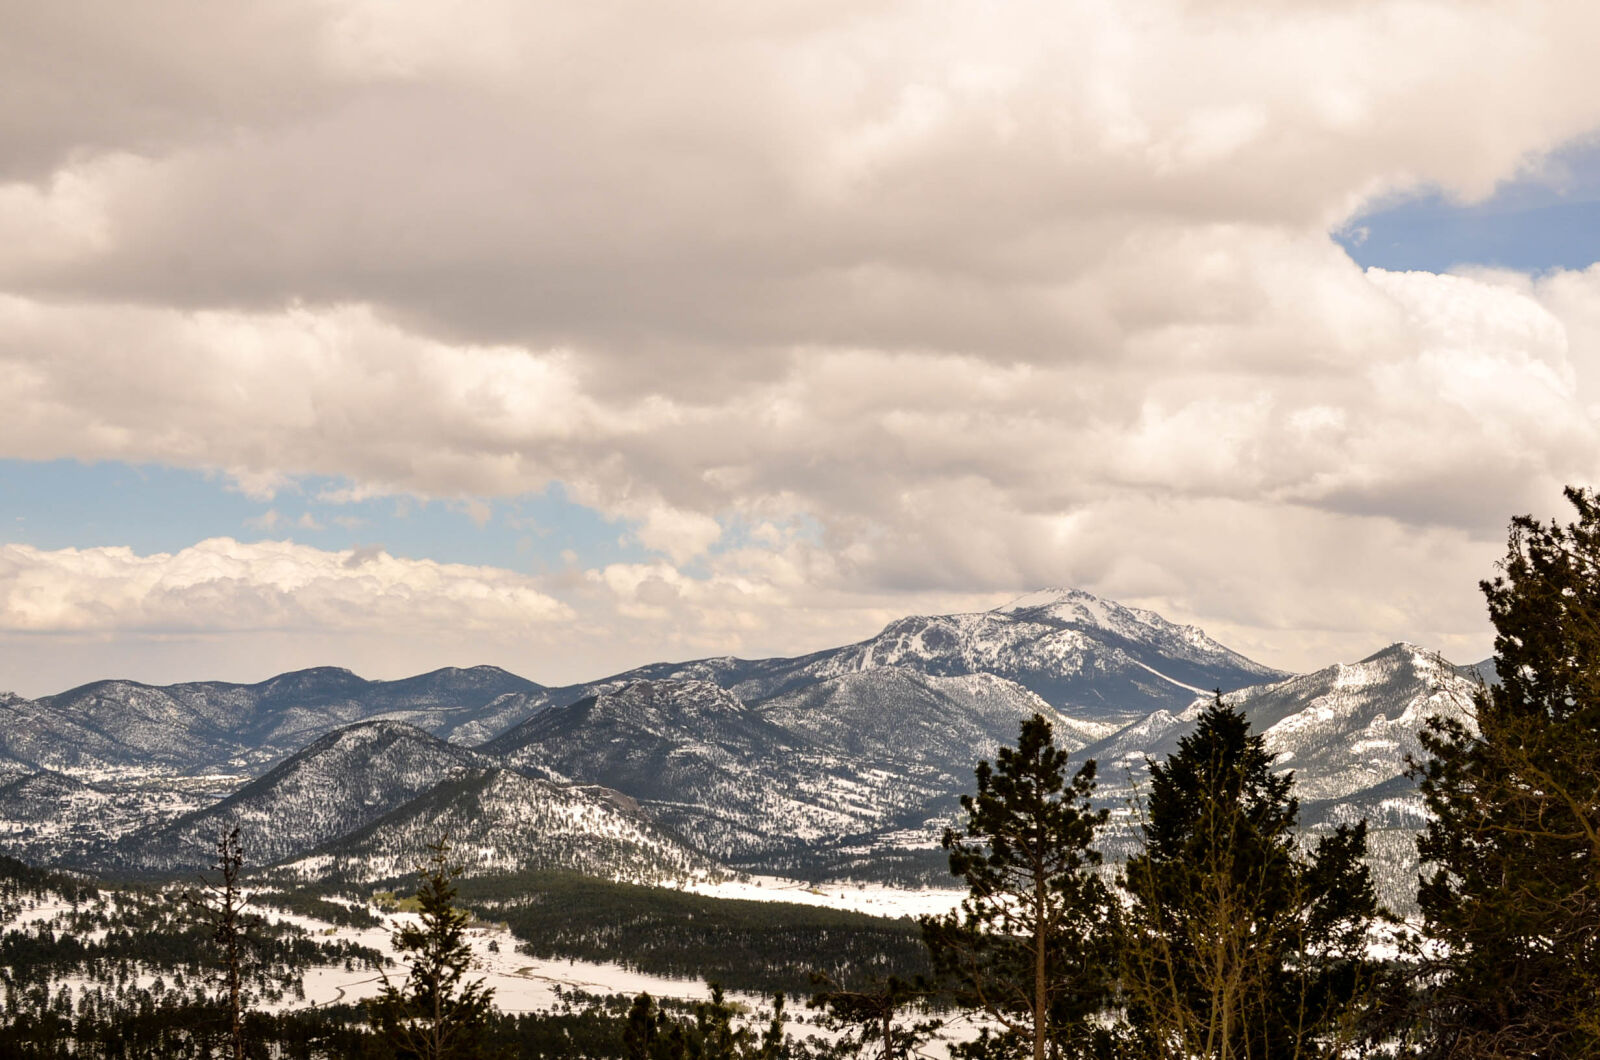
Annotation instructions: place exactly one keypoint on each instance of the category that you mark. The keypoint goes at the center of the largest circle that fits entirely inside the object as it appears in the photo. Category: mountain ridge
(848, 760)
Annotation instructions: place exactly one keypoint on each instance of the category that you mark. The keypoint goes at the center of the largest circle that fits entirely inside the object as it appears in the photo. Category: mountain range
(845, 762)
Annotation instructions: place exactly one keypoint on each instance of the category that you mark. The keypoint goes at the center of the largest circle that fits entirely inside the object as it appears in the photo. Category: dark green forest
(745, 945)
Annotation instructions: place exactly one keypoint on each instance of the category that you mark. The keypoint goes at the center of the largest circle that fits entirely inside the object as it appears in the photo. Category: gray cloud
(990, 296)
(648, 184)
(84, 79)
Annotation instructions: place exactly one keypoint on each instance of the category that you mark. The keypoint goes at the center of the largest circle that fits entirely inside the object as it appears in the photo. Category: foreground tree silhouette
(1031, 945)
(872, 1017)
(435, 1014)
(1235, 944)
(223, 905)
(651, 1034)
(1514, 844)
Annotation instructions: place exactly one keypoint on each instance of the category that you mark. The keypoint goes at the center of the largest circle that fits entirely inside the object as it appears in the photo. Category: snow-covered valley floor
(521, 983)
(870, 898)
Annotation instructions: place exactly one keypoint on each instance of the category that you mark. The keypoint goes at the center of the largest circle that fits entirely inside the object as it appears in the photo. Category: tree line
(752, 946)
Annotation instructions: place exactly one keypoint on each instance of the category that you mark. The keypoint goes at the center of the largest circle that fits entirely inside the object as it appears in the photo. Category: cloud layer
(846, 309)
(222, 585)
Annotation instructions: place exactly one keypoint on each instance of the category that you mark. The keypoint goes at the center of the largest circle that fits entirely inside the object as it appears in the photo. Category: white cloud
(222, 585)
(681, 535)
(1456, 404)
(988, 295)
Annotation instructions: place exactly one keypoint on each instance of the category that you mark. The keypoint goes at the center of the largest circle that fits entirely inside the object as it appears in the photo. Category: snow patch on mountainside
(1164, 677)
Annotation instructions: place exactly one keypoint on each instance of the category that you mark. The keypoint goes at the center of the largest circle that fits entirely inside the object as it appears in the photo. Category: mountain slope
(1346, 732)
(1093, 659)
(49, 818)
(111, 728)
(500, 821)
(1350, 727)
(1341, 729)
(895, 716)
(716, 771)
(765, 762)
(338, 784)
(869, 743)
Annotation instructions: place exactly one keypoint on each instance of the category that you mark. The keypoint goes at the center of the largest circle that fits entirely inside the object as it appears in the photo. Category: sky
(570, 337)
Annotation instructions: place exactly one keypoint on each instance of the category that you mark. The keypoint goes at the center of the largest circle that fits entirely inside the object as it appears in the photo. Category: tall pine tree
(1513, 892)
(1031, 943)
(223, 905)
(1235, 943)
(437, 1013)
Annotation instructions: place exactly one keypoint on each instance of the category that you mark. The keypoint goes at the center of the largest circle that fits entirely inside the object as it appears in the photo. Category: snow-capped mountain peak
(1083, 610)
(1064, 602)
(1091, 657)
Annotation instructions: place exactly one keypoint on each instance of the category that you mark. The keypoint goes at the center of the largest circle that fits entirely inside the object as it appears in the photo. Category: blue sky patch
(1546, 220)
(66, 503)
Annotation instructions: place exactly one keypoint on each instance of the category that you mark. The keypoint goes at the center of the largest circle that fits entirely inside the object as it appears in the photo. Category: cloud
(1436, 400)
(986, 296)
(681, 535)
(707, 181)
(222, 585)
(1428, 409)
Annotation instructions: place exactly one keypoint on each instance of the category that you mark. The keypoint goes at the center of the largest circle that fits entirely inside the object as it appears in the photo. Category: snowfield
(870, 898)
(521, 983)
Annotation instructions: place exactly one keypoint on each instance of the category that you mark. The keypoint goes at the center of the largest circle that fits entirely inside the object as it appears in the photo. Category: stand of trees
(1513, 898)
(1235, 943)
(1234, 939)
(751, 946)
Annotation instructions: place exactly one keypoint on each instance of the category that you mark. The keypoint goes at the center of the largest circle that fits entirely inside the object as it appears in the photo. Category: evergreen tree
(1235, 944)
(715, 1036)
(1030, 945)
(872, 1018)
(643, 1030)
(1513, 887)
(774, 1042)
(223, 905)
(650, 1034)
(436, 1013)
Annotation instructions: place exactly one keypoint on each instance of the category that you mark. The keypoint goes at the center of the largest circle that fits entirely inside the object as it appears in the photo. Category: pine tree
(774, 1042)
(715, 1036)
(1031, 944)
(1513, 887)
(223, 905)
(642, 1031)
(436, 1013)
(1235, 944)
(650, 1034)
(872, 1018)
